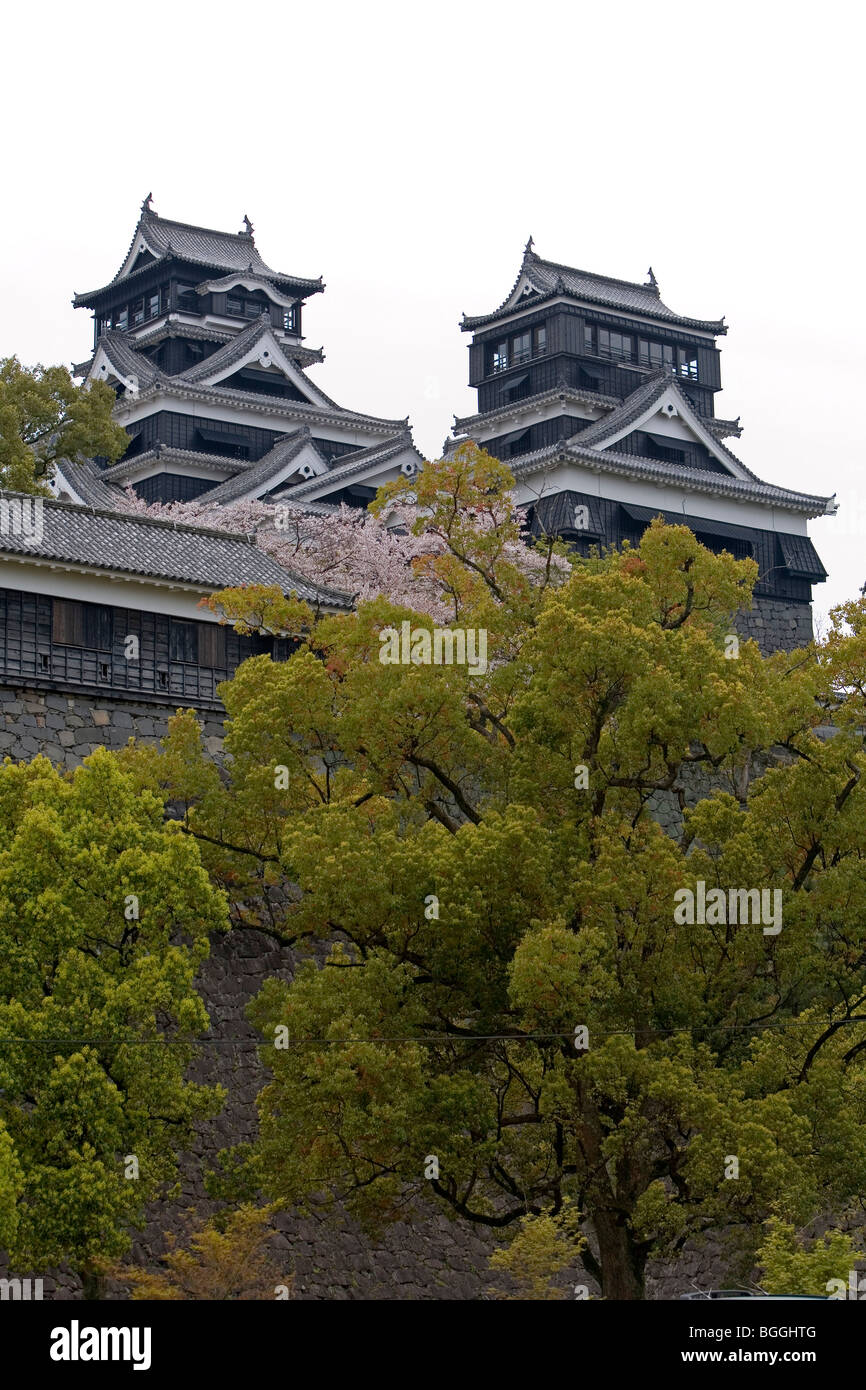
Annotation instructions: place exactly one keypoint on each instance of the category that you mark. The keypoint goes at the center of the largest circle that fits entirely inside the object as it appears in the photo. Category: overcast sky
(406, 153)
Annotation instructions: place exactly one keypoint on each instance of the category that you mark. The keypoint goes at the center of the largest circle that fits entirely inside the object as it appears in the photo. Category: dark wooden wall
(28, 650)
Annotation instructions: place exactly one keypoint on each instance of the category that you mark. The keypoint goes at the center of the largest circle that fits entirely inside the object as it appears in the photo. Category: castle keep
(600, 398)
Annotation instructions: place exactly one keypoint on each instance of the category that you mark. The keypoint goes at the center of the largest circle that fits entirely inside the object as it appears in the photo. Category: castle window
(153, 305)
(187, 299)
(589, 339)
(137, 313)
(540, 344)
(617, 346)
(657, 450)
(212, 645)
(122, 319)
(289, 320)
(239, 307)
(183, 642)
(687, 363)
(659, 356)
(81, 625)
(500, 357)
(522, 348)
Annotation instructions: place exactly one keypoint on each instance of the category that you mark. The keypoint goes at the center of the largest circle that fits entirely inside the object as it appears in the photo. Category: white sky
(405, 153)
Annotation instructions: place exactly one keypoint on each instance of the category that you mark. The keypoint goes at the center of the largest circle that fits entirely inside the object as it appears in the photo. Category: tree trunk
(621, 1257)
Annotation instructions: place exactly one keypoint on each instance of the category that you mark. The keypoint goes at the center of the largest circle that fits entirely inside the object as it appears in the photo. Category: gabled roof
(162, 239)
(648, 400)
(269, 471)
(358, 462)
(115, 350)
(259, 333)
(93, 538)
(539, 280)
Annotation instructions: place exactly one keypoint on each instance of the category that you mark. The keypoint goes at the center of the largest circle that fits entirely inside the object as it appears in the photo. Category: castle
(599, 397)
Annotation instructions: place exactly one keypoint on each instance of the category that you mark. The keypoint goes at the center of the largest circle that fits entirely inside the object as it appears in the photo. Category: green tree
(226, 1257)
(45, 417)
(539, 1250)
(105, 911)
(484, 852)
(790, 1264)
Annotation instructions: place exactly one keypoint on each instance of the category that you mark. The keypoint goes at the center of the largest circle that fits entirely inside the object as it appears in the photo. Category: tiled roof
(229, 353)
(93, 538)
(167, 454)
(555, 393)
(549, 278)
(354, 463)
(278, 406)
(87, 481)
(258, 476)
(127, 361)
(226, 251)
(638, 402)
(226, 356)
(655, 470)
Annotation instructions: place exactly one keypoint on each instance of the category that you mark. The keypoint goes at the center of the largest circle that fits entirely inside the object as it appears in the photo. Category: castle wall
(776, 625)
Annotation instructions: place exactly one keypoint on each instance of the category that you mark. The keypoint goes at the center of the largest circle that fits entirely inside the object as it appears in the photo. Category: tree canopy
(105, 911)
(45, 417)
(512, 1018)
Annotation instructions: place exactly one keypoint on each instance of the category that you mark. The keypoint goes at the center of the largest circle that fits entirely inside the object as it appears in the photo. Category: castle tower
(601, 399)
(202, 343)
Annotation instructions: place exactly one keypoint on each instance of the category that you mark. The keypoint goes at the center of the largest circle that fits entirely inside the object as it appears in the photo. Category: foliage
(225, 1258)
(45, 417)
(790, 1264)
(400, 549)
(540, 1249)
(105, 911)
(484, 850)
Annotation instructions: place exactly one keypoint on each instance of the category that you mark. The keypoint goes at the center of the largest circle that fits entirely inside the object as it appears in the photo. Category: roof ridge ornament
(528, 252)
(248, 228)
(652, 282)
(147, 206)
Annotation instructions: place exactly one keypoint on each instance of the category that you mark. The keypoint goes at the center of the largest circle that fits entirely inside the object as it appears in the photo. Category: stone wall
(775, 625)
(68, 727)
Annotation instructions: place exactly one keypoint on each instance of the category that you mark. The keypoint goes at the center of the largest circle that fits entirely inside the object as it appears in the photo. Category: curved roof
(542, 280)
(163, 238)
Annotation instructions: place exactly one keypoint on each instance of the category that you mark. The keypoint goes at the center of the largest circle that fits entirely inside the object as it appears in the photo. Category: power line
(428, 1038)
